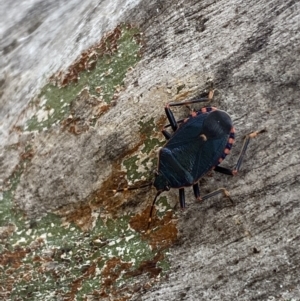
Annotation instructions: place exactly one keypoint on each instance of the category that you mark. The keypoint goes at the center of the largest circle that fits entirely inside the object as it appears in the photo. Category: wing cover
(186, 157)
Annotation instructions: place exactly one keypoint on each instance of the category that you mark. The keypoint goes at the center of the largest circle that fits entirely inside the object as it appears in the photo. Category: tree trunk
(250, 53)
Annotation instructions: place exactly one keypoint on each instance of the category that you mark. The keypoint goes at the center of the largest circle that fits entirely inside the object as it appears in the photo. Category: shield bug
(197, 145)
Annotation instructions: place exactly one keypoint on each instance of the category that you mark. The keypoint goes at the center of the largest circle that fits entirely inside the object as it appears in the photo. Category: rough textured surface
(248, 251)
(40, 37)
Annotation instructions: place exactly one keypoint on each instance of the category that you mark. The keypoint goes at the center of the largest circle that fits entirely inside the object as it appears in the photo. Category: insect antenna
(131, 188)
(138, 187)
(151, 210)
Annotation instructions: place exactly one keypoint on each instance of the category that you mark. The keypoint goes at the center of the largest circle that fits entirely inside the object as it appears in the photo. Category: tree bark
(250, 52)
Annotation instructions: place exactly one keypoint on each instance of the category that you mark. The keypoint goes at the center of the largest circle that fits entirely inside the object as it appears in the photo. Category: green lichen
(55, 256)
(162, 206)
(141, 166)
(53, 103)
(140, 169)
(59, 255)
(164, 265)
(65, 253)
(150, 144)
(147, 129)
(8, 215)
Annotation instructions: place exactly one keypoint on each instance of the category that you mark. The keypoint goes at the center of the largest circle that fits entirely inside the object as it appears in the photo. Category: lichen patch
(77, 97)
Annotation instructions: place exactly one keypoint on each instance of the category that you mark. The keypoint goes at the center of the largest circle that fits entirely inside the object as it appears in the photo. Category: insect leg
(244, 148)
(213, 193)
(166, 133)
(172, 121)
(151, 210)
(234, 171)
(171, 117)
(196, 191)
(181, 198)
(131, 188)
(184, 103)
(224, 170)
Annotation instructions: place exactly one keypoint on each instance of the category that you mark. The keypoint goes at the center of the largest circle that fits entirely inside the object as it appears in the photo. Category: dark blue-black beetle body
(194, 149)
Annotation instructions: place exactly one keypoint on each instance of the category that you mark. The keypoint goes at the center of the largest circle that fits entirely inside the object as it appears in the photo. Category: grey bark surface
(249, 251)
